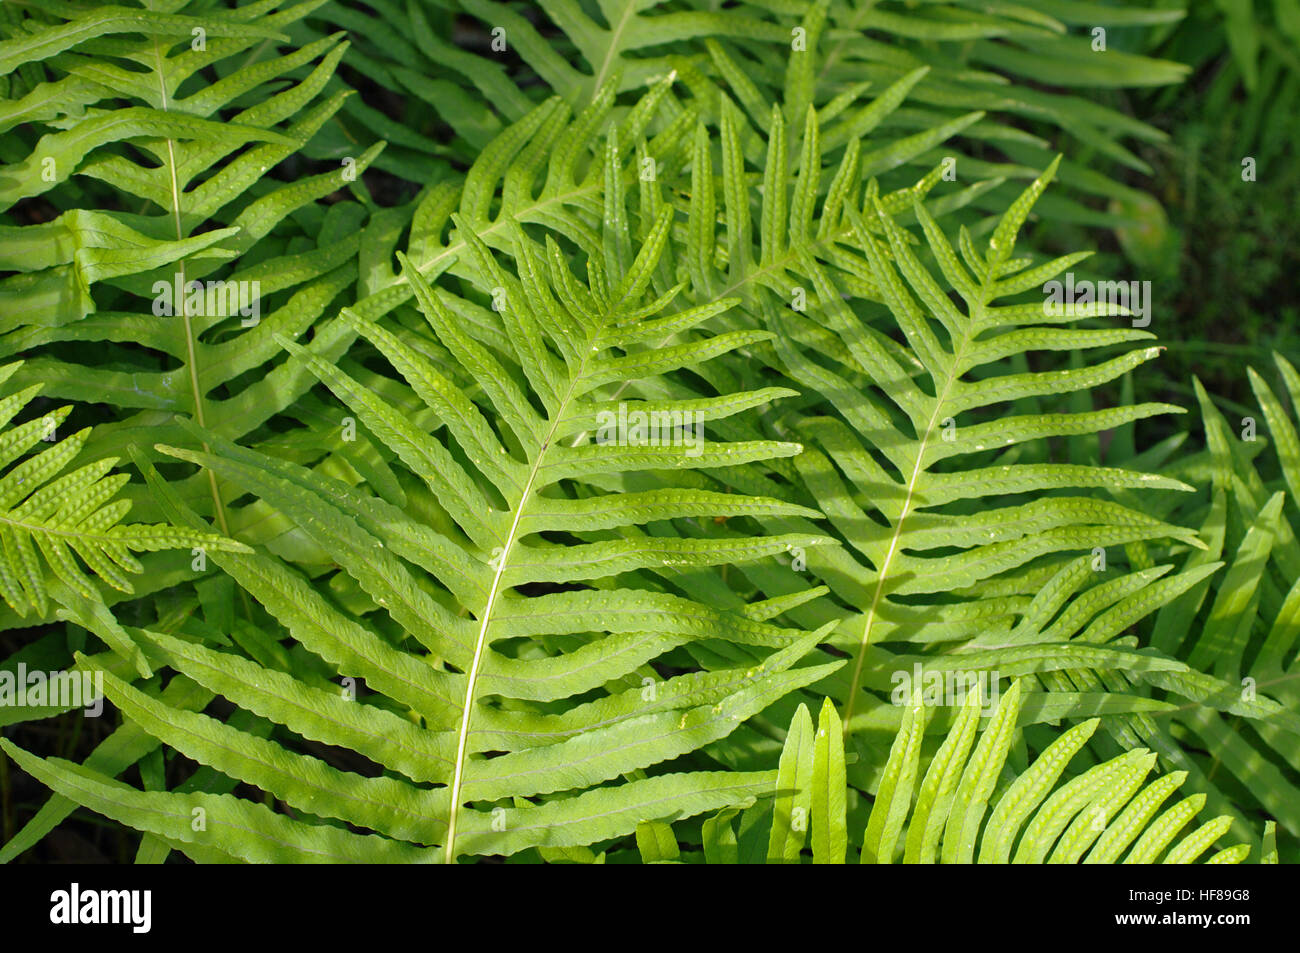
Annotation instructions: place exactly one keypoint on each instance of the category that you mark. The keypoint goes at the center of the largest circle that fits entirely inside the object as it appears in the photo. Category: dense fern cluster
(540, 409)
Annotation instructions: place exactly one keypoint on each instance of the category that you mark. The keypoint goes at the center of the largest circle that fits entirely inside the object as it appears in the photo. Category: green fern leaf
(54, 522)
(459, 596)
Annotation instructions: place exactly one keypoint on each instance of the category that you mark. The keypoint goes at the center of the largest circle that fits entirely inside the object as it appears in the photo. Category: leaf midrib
(480, 643)
(613, 49)
(36, 529)
(191, 356)
(912, 484)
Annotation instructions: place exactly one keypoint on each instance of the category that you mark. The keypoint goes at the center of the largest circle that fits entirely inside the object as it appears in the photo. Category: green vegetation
(534, 412)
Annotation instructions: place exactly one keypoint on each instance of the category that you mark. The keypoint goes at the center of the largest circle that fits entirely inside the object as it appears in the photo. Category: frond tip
(73, 514)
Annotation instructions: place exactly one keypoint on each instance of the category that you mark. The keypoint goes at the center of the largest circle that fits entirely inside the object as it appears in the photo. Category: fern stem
(191, 355)
(472, 677)
(935, 415)
(480, 643)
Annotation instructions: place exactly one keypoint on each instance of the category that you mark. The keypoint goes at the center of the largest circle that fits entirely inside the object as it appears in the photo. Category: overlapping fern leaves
(454, 64)
(513, 473)
(979, 588)
(52, 523)
(460, 76)
(1239, 628)
(473, 625)
(968, 806)
(175, 112)
(894, 461)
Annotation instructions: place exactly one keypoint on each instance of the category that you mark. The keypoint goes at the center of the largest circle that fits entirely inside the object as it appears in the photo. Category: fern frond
(181, 173)
(1242, 627)
(900, 445)
(56, 523)
(890, 469)
(491, 664)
